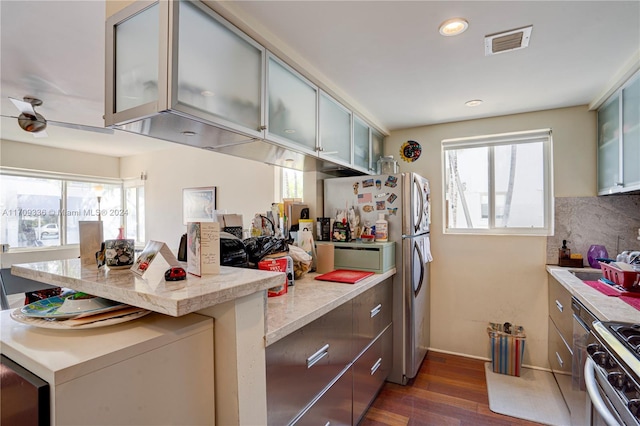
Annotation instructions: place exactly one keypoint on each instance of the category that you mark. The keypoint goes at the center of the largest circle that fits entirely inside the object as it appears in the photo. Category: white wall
(480, 279)
(244, 186)
(38, 157)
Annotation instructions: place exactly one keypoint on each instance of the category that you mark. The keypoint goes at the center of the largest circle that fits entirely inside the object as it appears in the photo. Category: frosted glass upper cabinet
(631, 135)
(609, 179)
(292, 112)
(619, 140)
(361, 146)
(182, 57)
(335, 130)
(377, 148)
(136, 72)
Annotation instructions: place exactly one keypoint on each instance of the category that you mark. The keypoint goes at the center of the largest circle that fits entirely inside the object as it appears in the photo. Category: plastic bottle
(382, 229)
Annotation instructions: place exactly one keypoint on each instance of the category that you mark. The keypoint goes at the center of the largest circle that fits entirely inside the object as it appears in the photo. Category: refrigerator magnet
(355, 187)
(391, 182)
(378, 184)
(367, 183)
(380, 205)
(392, 198)
(392, 211)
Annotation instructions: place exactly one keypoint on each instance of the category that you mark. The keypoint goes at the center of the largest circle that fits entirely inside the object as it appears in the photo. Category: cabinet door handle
(328, 423)
(322, 352)
(559, 306)
(375, 311)
(375, 367)
(560, 361)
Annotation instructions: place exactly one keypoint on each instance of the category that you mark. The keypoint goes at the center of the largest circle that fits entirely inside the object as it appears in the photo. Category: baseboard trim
(533, 367)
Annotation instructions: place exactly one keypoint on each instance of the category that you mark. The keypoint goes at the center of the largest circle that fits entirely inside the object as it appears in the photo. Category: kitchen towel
(611, 291)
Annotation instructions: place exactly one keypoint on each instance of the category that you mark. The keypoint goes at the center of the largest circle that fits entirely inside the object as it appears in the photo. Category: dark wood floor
(448, 390)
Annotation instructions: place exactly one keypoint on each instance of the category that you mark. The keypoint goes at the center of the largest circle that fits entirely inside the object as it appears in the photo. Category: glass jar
(387, 165)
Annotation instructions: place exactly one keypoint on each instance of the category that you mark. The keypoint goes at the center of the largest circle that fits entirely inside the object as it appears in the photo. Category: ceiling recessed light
(453, 26)
(207, 93)
(473, 103)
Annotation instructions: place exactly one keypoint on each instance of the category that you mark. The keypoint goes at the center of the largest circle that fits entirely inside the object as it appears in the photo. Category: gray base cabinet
(331, 370)
(369, 372)
(333, 406)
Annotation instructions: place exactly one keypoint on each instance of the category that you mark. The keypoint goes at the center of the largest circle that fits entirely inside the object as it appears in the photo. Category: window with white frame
(289, 183)
(39, 209)
(134, 206)
(499, 184)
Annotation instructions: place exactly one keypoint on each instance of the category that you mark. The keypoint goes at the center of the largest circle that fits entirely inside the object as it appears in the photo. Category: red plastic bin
(626, 279)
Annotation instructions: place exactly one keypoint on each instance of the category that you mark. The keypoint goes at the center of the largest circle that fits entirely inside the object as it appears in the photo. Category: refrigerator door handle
(420, 205)
(417, 249)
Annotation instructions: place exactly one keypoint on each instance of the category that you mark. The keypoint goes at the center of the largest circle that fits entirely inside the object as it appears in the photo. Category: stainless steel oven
(611, 374)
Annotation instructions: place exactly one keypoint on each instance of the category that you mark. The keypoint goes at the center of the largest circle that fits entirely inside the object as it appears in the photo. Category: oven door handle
(594, 395)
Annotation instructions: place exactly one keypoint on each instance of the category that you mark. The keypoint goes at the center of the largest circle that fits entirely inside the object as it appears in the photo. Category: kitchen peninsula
(244, 323)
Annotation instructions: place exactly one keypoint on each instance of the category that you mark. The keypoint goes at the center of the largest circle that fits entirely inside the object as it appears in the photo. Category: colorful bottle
(382, 229)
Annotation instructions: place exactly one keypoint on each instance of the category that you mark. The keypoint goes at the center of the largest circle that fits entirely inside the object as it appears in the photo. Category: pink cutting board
(344, 276)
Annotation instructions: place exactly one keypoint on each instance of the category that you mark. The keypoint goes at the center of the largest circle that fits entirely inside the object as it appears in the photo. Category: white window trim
(40, 174)
(539, 135)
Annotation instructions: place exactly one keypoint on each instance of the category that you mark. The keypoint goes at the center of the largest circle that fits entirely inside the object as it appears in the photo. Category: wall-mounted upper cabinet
(219, 69)
(335, 130)
(178, 71)
(292, 107)
(377, 147)
(361, 145)
(619, 140)
(182, 57)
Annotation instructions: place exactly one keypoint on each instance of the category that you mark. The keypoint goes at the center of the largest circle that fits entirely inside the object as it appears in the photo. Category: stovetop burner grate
(629, 335)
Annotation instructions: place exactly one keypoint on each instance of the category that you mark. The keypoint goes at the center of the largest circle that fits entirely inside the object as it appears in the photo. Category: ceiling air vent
(507, 41)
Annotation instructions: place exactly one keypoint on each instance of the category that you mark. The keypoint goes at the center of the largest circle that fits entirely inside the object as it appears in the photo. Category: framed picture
(199, 204)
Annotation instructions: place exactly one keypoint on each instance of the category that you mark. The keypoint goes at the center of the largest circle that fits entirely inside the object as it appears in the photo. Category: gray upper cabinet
(377, 148)
(631, 134)
(361, 145)
(292, 107)
(182, 57)
(137, 60)
(219, 69)
(178, 71)
(335, 130)
(619, 140)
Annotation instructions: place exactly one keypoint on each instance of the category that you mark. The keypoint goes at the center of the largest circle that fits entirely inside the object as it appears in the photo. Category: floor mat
(533, 396)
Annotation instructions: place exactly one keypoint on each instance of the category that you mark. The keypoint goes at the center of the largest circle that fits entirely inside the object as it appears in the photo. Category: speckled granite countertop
(606, 308)
(308, 300)
(151, 291)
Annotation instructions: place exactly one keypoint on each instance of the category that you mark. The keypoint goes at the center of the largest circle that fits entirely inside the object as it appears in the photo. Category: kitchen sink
(587, 276)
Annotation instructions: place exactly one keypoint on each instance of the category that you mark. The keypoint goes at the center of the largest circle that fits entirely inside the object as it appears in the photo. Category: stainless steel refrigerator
(404, 199)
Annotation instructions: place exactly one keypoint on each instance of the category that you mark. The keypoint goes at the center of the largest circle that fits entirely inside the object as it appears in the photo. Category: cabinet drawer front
(302, 364)
(333, 407)
(368, 260)
(369, 373)
(560, 308)
(560, 356)
(371, 314)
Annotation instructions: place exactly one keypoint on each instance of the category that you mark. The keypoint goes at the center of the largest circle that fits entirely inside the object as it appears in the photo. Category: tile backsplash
(611, 221)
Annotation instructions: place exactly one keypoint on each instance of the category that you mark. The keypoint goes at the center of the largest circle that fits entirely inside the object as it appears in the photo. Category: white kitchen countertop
(151, 291)
(308, 299)
(606, 308)
(58, 356)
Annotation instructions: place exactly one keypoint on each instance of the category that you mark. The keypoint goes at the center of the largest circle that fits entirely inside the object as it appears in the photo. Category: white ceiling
(384, 57)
